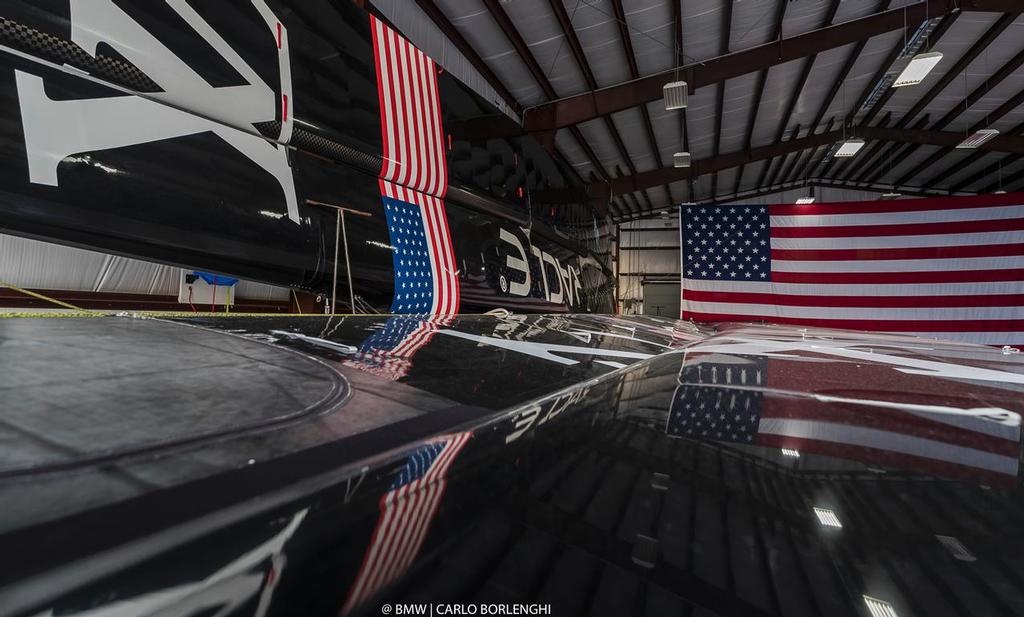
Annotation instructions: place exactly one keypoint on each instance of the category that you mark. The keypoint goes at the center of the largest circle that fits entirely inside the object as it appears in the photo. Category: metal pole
(334, 283)
(348, 266)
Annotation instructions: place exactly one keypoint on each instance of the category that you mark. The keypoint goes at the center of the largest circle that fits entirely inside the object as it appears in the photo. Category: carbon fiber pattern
(60, 51)
(316, 144)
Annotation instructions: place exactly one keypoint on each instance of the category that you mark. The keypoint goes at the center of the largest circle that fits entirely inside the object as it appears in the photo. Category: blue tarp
(216, 279)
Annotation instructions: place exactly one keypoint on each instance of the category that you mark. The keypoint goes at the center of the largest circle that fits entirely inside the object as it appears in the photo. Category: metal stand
(341, 235)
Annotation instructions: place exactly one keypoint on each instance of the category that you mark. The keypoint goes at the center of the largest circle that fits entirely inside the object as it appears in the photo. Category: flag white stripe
(899, 265)
(847, 434)
(385, 85)
(767, 311)
(879, 242)
(821, 289)
(899, 218)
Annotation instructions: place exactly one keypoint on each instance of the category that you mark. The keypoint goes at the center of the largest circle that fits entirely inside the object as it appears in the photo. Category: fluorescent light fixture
(917, 69)
(956, 548)
(805, 200)
(999, 192)
(681, 159)
(976, 139)
(880, 608)
(675, 94)
(827, 517)
(892, 195)
(848, 148)
(792, 453)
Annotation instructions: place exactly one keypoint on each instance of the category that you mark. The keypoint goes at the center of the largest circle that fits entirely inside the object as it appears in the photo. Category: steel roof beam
(569, 32)
(646, 179)
(634, 71)
(805, 72)
(961, 65)
(762, 77)
(723, 49)
(588, 105)
(801, 170)
(528, 59)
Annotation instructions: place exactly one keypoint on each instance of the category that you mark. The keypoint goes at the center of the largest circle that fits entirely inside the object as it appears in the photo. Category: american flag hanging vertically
(406, 512)
(950, 268)
(414, 176)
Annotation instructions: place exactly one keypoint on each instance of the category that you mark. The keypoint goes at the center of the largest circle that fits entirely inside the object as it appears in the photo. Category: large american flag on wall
(414, 176)
(950, 268)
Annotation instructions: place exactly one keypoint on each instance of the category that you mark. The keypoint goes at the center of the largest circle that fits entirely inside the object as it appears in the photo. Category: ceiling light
(827, 517)
(675, 95)
(848, 148)
(999, 192)
(892, 195)
(681, 159)
(977, 138)
(793, 453)
(880, 608)
(956, 548)
(917, 69)
(805, 200)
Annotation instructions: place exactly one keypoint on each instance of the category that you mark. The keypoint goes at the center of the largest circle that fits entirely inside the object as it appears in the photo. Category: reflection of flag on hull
(712, 403)
(406, 512)
(388, 353)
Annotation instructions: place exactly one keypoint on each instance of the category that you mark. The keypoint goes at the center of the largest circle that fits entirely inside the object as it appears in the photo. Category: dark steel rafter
(783, 160)
(979, 46)
(448, 28)
(646, 179)
(972, 158)
(801, 81)
(834, 165)
(1007, 106)
(588, 105)
(995, 167)
(812, 182)
(762, 77)
(569, 32)
(677, 60)
(943, 27)
(526, 56)
(445, 25)
(720, 96)
(800, 171)
(1010, 181)
(634, 72)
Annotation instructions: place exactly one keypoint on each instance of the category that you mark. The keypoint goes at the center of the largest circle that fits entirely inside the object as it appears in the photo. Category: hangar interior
(690, 308)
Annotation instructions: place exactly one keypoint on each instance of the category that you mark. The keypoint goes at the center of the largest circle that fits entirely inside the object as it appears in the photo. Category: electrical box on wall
(204, 289)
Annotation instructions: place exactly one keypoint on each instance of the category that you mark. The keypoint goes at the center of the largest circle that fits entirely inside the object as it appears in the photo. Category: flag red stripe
(899, 325)
(910, 229)
(909, 205)
(948, 276)
(924, 252)
(977, 300)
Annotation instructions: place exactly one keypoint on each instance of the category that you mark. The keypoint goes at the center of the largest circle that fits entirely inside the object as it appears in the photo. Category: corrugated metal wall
(41, 265)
